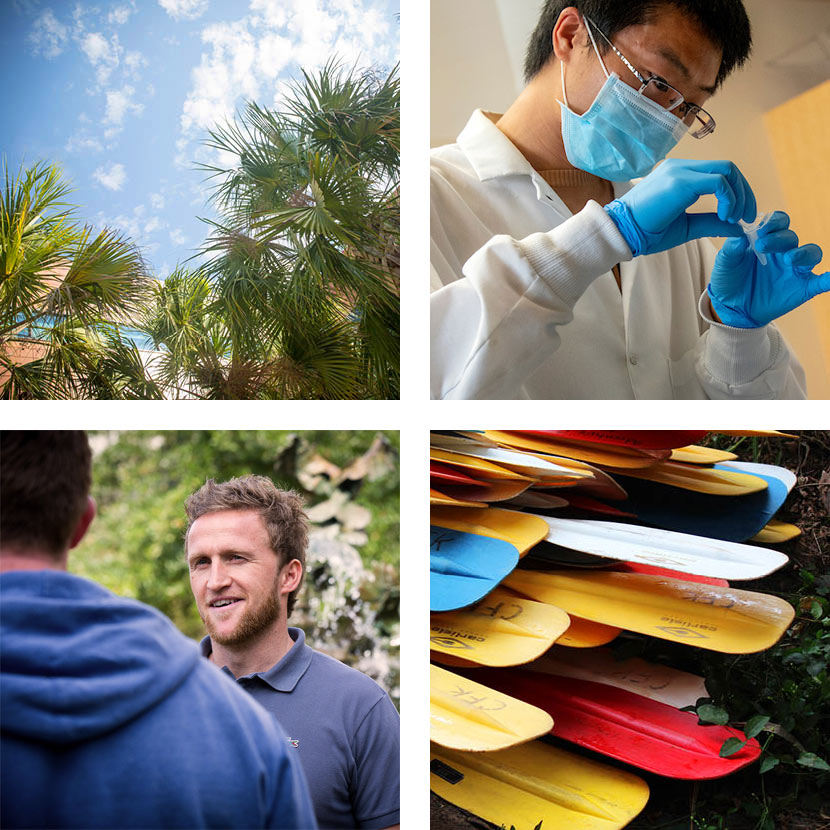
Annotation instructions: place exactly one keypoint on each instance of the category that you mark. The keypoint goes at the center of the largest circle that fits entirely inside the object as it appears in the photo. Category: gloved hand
(746, 294)
(652, 215)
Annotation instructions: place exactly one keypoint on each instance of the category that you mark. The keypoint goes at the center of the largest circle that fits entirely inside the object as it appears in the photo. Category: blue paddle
(464, 567)
(732, 518)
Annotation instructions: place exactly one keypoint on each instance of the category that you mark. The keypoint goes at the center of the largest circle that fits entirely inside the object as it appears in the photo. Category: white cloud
(275, 53)
(119, 104)
(119, 15)
(184, 9)
(133, 63)
(260, 52)
(153, 224)
(223, 74)
(103, 54)
(83, 143)
(177, 236)
(112, 179)
(157, 200)
(96, 47)
(48, 36)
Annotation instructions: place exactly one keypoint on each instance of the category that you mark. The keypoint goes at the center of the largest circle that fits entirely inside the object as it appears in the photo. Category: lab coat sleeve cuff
(738, 356)
(572, 255)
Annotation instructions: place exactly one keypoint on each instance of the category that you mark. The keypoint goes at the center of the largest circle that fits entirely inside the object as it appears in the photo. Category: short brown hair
(44, 484)
(281, 510)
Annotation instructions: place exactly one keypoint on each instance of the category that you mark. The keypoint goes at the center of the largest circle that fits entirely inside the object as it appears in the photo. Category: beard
(253, 622)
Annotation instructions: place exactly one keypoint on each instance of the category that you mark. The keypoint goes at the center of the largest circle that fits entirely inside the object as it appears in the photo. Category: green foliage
(782, 698)
(63, 289)
(142, 479)
(299, 296)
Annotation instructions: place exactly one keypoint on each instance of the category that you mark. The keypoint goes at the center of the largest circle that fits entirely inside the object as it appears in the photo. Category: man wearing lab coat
(553, 276)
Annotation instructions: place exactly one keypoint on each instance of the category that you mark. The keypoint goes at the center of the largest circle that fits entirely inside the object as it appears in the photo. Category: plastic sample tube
(751, 230)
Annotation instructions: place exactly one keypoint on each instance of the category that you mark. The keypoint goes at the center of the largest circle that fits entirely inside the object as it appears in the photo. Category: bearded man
(245, 547)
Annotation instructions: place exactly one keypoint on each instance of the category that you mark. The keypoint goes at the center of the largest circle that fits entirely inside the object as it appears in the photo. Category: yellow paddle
(775, 532)
(503, 629)
(701, 455)
(436, 498)
(721, 619)
(584, 633)
(520, 529)
(701, 479)
(621, 457)
(535, 785)
(467, 715)
(483, 470)
(754, 433)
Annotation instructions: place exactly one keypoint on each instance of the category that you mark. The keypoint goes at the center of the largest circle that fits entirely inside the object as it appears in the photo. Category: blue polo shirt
(344, 728)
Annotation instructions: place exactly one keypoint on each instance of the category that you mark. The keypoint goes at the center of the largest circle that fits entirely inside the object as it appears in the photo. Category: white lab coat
(525, 304)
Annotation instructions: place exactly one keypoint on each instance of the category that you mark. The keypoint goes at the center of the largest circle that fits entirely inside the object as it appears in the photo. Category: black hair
(724, 22)
(44, 483)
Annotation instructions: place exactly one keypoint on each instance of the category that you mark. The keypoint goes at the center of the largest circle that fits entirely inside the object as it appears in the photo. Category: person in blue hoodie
(110, 717)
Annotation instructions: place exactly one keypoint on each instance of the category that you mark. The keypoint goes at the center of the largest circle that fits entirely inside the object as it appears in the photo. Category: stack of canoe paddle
(544, 547)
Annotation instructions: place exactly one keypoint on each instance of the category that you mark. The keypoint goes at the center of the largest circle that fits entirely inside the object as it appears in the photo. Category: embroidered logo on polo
(295, 742)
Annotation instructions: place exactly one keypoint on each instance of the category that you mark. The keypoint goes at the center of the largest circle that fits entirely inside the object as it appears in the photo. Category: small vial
(751, 230)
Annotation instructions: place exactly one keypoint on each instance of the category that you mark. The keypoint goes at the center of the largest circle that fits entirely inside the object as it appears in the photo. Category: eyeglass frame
(693, 109)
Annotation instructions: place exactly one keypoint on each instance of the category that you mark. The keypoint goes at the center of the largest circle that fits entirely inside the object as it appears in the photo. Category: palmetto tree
(63, 291)
(299, 296)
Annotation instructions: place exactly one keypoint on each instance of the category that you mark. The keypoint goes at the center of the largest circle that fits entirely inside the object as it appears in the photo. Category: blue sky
(121, 93)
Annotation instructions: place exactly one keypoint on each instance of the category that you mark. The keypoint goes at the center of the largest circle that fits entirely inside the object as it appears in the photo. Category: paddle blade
(754, 433)
(502, 630)
(702, 514)
(719, 619)
(708, 480)
(438, 498)
(584, 633)
(484, 491)
(464, 567)
(785, 476)
(637, 568)
(606, 456)
(537, 784)
(775, 532)
(479, 468)
(629, 727)
(520, 529)
(637, 439)
(652, 680)
(664, 548)
(700, 455)
(466, 715)
(526, 464)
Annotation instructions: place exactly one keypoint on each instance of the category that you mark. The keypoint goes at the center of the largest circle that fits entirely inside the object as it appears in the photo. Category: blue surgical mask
(622, 135)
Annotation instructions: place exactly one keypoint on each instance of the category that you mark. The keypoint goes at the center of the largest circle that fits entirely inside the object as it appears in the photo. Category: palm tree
(64, 290)
(300, 289)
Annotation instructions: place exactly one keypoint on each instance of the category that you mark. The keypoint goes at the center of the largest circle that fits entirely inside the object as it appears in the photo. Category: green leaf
(768, 763)
(731, 746)
(755, 725)
(708, 713)
(810, 759)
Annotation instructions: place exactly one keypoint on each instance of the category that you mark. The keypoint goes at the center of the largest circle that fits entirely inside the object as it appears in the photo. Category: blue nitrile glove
(748, 295)
(652, 215)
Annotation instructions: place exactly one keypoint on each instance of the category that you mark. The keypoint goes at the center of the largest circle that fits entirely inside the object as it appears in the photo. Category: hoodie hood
(77, 661)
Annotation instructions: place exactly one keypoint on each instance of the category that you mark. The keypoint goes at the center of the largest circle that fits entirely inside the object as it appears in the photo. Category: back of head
(45, 479)
(724, 22)
(281, 511)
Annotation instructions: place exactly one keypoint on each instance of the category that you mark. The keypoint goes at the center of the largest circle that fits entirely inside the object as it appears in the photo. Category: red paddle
(620, 724)
(638, 439)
